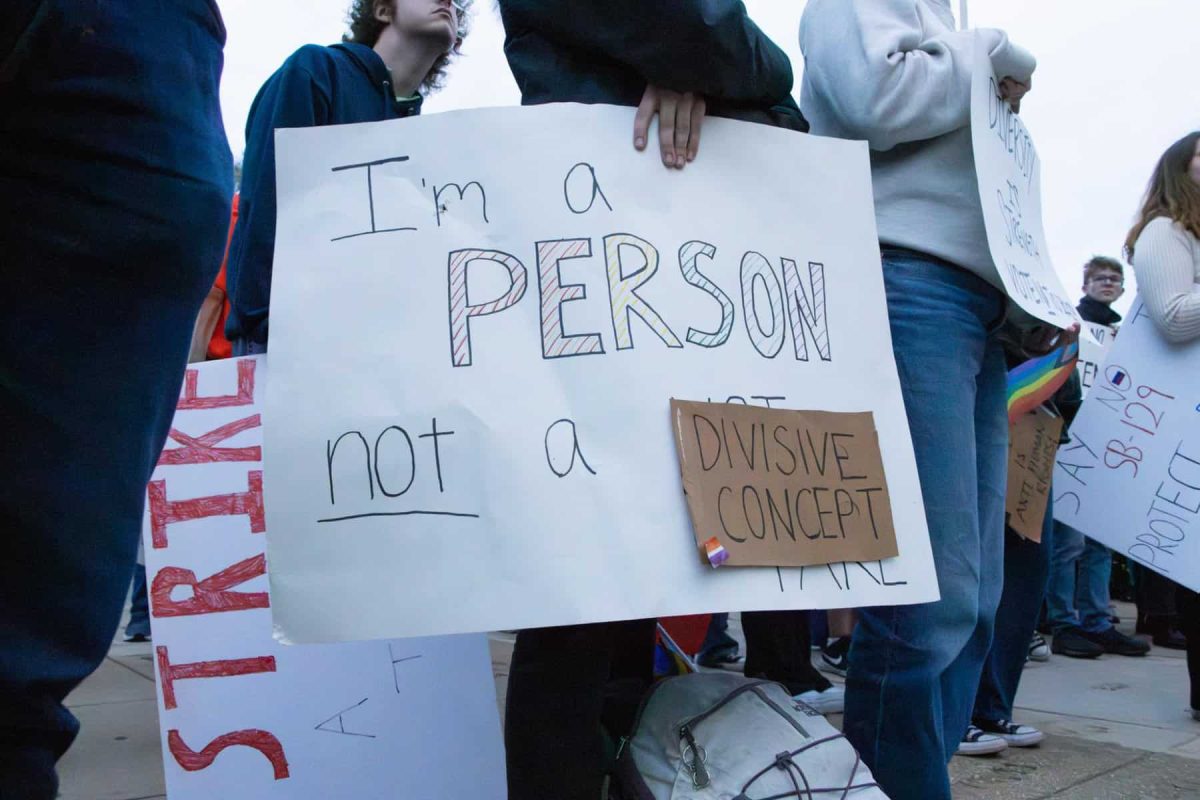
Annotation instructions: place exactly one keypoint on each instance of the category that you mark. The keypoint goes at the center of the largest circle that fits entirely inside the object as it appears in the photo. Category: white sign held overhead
(245, 718)
(1130, 476)
(1010, 193)
(478, 321)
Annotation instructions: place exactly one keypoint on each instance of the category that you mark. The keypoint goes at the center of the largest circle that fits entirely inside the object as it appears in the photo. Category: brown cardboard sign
(784, 488)
(1032, 445)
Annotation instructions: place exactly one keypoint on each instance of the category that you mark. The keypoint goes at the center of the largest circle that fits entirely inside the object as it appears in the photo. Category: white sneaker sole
(1024, 739)
(982, 748)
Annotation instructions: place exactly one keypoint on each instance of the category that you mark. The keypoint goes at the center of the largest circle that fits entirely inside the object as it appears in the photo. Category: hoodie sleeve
(885, 79)
(291, 98)
(706, 46)
(1166, 275)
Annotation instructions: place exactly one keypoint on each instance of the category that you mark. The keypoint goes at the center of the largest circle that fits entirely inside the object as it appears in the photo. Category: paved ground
(1118, 728)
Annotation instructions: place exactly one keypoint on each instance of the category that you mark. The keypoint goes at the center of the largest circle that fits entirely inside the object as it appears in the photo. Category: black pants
(1188, 603)
(777, 648)
(1155, 601)
(567, 688)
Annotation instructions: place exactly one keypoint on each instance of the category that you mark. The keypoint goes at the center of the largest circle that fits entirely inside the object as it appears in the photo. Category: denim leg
(1091, 586)
(139, 605)
(1026, 572)
(960, 681)
(717, 639)
(115, 183)
(1060, 593)
(914, 669)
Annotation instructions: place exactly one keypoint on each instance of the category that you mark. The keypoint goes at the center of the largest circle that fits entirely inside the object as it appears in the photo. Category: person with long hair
(1164, 243)
(1164, 247)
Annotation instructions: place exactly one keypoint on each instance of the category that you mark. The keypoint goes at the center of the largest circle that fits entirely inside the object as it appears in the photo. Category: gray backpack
(719, 736)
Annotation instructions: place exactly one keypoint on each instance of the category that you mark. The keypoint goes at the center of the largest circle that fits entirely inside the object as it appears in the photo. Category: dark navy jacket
(317, 85)
(607, 51)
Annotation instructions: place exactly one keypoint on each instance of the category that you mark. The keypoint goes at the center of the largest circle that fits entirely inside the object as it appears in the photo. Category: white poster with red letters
(245, 718)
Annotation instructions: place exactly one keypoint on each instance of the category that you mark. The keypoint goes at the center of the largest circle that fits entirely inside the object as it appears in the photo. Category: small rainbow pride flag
(716, 552)
(1032, 383)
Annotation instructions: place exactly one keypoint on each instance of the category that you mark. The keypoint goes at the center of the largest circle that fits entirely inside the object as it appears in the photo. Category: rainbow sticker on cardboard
(716, 552)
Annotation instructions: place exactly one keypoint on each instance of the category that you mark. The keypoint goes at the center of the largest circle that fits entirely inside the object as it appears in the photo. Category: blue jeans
(717, 640)
(139, 605)
(115, 184)
(1026, 572)
(246, 347)
(914, 669)
(1080, 569)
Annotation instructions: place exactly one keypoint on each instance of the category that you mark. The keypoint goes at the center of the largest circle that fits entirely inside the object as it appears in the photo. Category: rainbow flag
(1032, 383)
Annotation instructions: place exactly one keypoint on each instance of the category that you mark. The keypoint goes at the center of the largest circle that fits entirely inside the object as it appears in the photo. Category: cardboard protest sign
(1010, 192)
(245, 718)
(784, 488)
(477, 321)
(1032, 442)
(1130, 476)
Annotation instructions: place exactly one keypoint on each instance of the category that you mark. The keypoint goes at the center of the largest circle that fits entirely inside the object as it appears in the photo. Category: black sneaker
(1113, 641)
(1016, 735)
(1170, 638)
(1072, 642)
(835, 656)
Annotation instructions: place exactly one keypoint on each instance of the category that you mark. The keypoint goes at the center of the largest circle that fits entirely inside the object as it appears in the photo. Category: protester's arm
(1166, 279)
(291, 98)
(887, 83)
(710, 47)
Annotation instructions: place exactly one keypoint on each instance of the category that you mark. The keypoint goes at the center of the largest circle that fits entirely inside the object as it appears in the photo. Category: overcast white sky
(1115, 85)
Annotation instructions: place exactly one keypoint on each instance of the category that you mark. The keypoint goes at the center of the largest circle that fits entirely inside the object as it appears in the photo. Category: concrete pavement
(1117, 728)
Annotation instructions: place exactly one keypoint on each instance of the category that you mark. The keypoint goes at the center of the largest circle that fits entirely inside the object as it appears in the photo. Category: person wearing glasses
(1077, 597)
(395, 50)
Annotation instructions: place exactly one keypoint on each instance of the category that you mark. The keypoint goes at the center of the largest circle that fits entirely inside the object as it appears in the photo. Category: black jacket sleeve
(706, 46)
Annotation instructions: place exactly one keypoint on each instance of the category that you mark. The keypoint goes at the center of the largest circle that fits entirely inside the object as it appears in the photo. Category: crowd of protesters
(117, 183)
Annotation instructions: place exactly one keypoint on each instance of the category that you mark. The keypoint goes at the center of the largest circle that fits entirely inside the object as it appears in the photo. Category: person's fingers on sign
(1043, 339)
(680, 115)
(1013, 90)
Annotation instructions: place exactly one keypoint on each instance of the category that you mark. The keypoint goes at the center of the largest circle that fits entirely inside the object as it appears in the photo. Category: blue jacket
(607, 51)
(317, 85)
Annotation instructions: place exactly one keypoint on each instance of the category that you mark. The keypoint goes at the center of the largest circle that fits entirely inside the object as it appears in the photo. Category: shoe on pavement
(977, 743)
(835, 656)
(1038, 649)
(1170, 638)
(1113, 641)
(830, 701)
(1016, 735)
(1071, 642)
(725, 658)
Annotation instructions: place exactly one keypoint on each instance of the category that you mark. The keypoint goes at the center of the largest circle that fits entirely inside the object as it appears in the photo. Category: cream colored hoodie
(897, 74)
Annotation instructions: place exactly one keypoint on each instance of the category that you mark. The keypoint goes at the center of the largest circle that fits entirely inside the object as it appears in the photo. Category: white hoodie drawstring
(962, 14)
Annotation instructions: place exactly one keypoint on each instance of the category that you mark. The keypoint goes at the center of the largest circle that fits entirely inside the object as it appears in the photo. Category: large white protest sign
(478, 321)
(1130, 477)
(1010, 192)
(245, 718)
